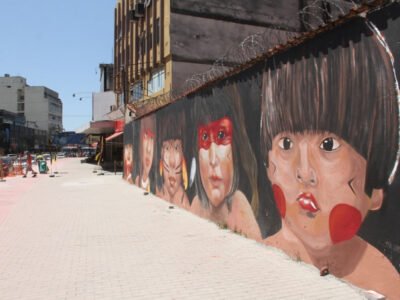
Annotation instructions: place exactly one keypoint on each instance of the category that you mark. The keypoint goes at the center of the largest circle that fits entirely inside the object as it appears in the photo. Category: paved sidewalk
(80, 235)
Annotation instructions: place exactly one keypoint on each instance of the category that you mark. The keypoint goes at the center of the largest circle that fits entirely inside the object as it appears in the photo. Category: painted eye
(285, 143)
(221, 135)
(204, 136)
(329, 144)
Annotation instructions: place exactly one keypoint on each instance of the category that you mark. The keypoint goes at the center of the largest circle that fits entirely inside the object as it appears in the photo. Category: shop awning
(100, 127)
(113, 136)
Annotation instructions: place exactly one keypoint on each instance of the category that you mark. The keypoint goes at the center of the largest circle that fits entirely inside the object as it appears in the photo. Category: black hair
(220, 103)
(342, 82)
(171, 125)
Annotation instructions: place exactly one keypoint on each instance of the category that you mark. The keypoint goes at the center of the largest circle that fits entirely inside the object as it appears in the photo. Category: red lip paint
(308, 202)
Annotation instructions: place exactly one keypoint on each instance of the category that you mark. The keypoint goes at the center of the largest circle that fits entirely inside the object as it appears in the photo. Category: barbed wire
(317, 14)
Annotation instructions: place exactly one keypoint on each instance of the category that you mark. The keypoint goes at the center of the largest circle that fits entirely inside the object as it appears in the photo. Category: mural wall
(299, 152)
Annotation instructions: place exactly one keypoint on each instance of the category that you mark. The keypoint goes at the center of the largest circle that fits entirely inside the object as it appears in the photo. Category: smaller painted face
(128, 160)
(147, 139)
(172, 157)
(215, 159)
(318, 182)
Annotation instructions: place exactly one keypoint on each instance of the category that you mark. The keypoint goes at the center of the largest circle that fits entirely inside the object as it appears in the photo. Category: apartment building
(159, 44)
(41, 106)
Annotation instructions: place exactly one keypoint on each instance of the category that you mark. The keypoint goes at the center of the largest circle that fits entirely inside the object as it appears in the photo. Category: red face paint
(279, 200)
(218, 132)
(344, 222)
(148, 133)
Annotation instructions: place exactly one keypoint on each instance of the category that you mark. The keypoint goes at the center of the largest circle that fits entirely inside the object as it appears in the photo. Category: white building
(104, 110)
(102, 104)
(40, 105)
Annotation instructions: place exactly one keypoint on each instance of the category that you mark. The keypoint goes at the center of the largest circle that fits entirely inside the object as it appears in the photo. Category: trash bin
(42, 165)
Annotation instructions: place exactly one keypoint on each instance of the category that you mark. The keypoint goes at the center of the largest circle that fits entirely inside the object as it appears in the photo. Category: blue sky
(58, 44)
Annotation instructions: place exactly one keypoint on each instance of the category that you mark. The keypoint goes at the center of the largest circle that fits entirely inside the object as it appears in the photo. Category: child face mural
(128, 161)
(329, 124)
(147, 138)
(171, 159)
(215, 159)
(221, 146)
(318, 182)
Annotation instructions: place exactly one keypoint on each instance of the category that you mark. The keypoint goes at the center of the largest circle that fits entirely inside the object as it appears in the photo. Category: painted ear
(271, 169)
(376, 199)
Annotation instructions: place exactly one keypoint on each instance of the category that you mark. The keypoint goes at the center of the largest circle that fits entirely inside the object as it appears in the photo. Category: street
(81, 235)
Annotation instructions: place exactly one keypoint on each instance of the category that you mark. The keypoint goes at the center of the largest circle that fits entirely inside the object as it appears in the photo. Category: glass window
(137, 91)
(21, 107)
(156, 83)
(149, 40)
(158, 31)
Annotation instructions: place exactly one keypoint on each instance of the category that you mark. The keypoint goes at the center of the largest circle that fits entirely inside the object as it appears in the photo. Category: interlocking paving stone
(82, 236)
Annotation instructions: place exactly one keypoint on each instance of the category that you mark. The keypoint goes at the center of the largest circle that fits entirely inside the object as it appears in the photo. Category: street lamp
(83, 95)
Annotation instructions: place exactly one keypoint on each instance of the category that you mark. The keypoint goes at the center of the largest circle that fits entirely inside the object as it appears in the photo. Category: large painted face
(172, 157)
(318, 182)
(215, 159)
(128, 160)
(147, 139)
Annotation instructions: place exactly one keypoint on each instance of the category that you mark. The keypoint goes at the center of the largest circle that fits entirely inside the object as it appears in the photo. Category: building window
(157, 32)
(138, 44)
(149, 40)
(137, 91)
(144, 43)
(21, 96)
(156, 83)
(21, 107)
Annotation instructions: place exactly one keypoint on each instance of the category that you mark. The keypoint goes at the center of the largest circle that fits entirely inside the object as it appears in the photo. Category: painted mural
(224, 159)
(144, 175)
(172, 176)
(330, 139)
(299, 152)
(128, 152)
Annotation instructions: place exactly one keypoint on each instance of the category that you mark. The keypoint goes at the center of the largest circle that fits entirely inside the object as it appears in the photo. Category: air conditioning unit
(139, 10)
(132, 16)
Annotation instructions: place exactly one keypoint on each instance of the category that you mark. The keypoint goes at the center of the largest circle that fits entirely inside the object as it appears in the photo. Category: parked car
(46, 156)
(20, 162)
(61, 155)
(12, 156)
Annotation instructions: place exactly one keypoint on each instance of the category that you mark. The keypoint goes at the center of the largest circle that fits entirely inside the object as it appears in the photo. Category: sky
(59, 44)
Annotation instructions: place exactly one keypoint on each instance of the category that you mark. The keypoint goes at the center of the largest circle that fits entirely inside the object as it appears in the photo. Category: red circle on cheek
(344, 222)
(279, 199)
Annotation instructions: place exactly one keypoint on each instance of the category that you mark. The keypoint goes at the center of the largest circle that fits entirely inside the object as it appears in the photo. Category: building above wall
(268, 13)
(159, 44)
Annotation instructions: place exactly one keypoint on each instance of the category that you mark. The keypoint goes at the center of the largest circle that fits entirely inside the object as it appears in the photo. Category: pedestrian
(29, 165)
